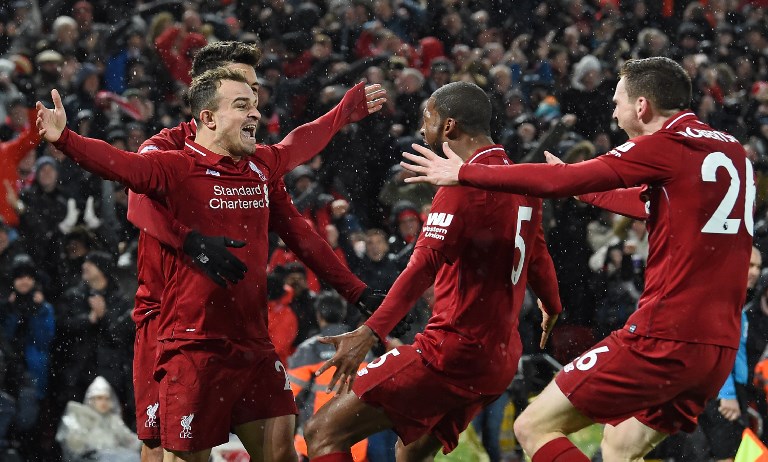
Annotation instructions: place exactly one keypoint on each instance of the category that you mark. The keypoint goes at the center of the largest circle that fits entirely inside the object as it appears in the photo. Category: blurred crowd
(68, 253)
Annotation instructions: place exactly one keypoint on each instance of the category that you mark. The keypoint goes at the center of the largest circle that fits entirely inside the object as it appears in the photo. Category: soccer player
(158, 227)
(653, 377)
(480, 249)
(217, 367)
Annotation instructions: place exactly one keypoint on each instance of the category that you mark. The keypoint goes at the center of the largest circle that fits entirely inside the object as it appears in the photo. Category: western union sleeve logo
(437, 224)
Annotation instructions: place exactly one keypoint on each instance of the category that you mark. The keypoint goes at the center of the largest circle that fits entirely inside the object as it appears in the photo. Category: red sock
(334, 457)
(558, 450)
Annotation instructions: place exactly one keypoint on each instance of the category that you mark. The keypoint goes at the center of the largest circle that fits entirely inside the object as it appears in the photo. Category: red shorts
(665, 384)
(146, 389)
(416, 399)
(208, 387)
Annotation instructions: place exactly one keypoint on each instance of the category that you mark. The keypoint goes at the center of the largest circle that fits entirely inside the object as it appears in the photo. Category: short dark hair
(219, 54)
(664, 82)
(330, 306)
(466, 103)
(203, 92)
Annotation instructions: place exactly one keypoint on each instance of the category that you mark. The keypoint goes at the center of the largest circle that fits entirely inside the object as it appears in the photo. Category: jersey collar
(679, 118)
(205, 154)
(487, 151)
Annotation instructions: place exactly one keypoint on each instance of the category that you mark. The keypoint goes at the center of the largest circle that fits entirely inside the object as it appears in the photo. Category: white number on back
(523, 214)
(719, 223)
(279, 367)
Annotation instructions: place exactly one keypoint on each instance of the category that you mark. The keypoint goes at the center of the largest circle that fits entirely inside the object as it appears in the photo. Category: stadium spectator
(94, 431)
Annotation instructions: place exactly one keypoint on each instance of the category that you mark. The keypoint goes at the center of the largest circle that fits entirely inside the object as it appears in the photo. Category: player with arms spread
(159, 228)
(480, 249)
(653, 377)
(217, 367)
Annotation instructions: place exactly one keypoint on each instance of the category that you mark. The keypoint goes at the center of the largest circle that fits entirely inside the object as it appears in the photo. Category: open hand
(431, 168)
(51, 122)
(375, 97)
(351, 349)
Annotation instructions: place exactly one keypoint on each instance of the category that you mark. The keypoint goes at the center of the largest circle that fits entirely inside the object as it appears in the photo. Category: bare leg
(549, 417)
(342, 422)
(421, 450)
(630, 440)
(186, 456)
(152, 452)
(270, 440)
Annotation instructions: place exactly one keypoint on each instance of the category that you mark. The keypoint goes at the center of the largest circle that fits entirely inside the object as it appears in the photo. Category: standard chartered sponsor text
(238, 202)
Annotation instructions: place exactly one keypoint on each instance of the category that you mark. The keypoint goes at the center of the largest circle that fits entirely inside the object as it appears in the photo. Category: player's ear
(206, 118)
(450, 128)
(644, 109)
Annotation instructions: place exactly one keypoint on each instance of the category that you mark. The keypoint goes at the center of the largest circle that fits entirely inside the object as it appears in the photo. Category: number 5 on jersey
(523, 214)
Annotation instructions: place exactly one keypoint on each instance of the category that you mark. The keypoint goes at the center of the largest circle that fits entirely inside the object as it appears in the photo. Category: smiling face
(236, 118)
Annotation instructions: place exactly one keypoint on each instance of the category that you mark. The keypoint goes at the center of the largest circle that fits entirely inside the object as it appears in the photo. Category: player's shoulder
(169, 138)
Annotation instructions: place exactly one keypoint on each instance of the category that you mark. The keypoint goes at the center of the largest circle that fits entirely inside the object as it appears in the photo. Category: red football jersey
(217, 196)
(490, 240)
(153, 263)
(701, 192)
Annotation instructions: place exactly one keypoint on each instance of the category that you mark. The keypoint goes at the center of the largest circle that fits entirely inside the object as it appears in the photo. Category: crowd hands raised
(68, 252)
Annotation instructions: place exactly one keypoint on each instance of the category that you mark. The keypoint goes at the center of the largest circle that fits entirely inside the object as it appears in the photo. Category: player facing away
(652, 377)
(480, 249)
(217, 367)
(159, 230)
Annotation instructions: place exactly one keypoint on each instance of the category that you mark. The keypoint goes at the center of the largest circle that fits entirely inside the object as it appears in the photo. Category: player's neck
(208, 140)
(466, 146)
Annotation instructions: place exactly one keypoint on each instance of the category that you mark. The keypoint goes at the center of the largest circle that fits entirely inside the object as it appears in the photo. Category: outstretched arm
(624, 201)
(352, 347)
(140, 173)
(305, 141)
(309, 246)
(533, 179)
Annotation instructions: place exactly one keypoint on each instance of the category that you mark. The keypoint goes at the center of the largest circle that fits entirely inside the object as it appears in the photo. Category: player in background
(159, 228)
(216, 365)
(701, 193)
(480, 249)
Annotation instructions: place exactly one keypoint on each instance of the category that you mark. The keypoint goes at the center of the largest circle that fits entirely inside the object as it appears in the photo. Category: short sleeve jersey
(701, 193)
(488, 239)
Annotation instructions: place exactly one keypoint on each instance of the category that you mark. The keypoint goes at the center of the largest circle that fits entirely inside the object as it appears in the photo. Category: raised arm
(309, 246)
(305, 141)
(20, 146)
(140, 173)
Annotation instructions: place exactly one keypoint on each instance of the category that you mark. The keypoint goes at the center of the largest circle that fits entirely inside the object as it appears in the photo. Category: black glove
(211, 255)
(403, 326)
(370, 300)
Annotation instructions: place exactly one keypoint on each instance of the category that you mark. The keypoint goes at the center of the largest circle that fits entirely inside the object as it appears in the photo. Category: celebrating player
(150, 215)
(217, 367)
(654, 376)
(479, 248)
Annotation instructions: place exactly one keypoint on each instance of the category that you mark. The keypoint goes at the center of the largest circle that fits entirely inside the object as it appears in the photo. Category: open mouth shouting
(248, 132)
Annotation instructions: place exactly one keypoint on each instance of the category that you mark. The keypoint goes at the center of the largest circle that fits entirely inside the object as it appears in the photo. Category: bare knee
(523, 428)
(616, 448)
